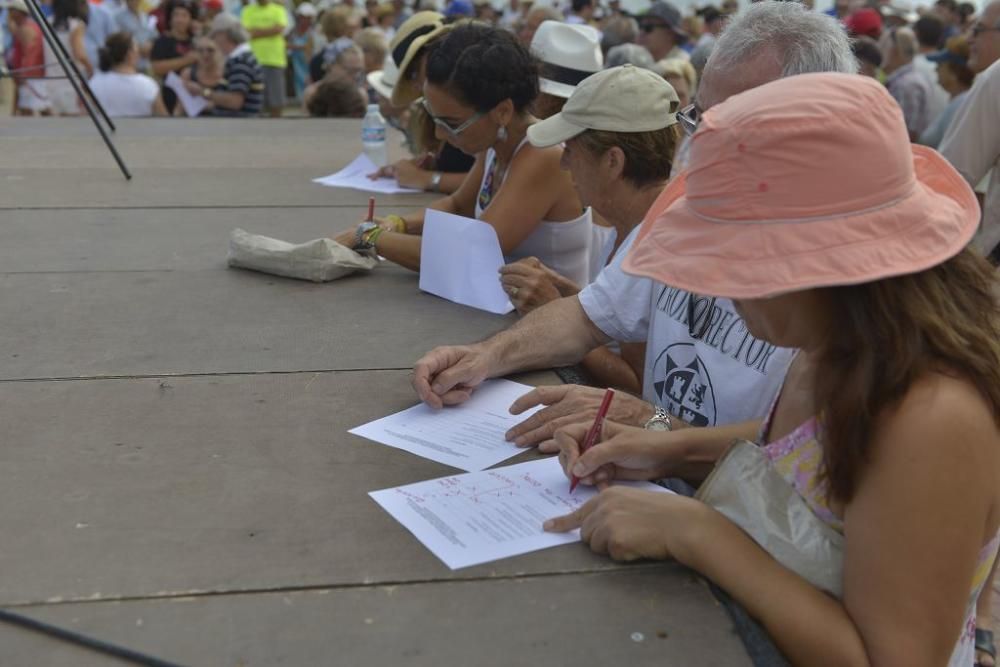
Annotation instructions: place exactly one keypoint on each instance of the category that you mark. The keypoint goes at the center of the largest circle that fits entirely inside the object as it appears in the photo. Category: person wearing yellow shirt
(266, 22)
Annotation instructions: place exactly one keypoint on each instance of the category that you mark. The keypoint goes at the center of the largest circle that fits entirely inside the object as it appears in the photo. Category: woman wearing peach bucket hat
(860, 526)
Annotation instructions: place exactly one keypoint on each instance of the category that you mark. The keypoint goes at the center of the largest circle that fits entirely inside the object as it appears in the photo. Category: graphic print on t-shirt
(683, 386)
(720, 377)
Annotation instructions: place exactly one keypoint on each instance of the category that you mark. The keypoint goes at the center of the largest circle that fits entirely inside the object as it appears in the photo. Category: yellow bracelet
(398, 224)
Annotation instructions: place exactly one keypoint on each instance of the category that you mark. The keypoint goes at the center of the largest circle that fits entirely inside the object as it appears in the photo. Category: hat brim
(405, 92)
(376, 82)
(553, 131)
(550, 87)
(755, 260)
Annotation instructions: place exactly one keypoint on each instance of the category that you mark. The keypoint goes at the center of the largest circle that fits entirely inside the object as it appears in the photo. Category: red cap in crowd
(866, 22)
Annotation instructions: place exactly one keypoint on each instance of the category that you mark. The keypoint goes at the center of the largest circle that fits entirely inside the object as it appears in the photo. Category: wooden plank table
(177, 475)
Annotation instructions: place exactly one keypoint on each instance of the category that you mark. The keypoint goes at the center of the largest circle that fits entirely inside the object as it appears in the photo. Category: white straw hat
(384, 80)
(620, 99)
(569, 54)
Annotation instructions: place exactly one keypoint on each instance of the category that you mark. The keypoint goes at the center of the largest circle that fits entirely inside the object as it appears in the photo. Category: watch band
(660, 421)
(359, 234)
(435, 185)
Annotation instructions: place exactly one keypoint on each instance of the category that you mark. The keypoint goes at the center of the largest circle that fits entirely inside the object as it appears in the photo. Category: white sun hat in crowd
(307, 9)
(569, 54)
(620, 99)
(384, 80)
(19, 5)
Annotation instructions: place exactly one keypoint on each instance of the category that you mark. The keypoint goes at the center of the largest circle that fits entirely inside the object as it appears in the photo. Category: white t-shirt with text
(725, 377)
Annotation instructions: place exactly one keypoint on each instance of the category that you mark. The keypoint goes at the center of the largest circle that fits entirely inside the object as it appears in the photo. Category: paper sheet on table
(460, 259)
(192, 105)
(469, 436)
(355, 176)
(480, 517)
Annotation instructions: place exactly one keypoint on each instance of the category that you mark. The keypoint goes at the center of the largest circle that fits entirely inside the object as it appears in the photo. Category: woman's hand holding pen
(622, 452)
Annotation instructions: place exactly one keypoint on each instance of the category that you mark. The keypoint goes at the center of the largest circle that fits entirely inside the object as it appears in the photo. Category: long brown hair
(889, 333)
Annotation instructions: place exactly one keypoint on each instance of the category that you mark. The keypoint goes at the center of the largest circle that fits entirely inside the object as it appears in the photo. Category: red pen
(594, 432)
(371, 209)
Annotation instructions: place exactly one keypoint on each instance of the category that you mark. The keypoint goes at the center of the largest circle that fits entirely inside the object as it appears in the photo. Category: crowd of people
(769, 228)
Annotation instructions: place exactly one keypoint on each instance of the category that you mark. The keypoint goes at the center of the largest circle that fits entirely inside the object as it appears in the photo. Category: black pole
(67, 63)
(84, 641)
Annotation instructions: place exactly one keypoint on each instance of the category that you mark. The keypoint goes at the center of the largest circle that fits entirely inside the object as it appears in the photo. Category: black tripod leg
(65, 62)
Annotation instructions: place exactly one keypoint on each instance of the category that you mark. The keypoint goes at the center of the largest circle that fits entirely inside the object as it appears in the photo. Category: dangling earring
(502, 134)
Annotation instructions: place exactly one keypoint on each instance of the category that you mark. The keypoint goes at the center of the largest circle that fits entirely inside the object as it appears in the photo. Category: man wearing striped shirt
(243, 79)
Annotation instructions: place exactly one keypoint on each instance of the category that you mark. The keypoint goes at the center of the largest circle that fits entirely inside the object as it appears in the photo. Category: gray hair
(629, 54)
(619, 30)
(230, 26)
(803, 41)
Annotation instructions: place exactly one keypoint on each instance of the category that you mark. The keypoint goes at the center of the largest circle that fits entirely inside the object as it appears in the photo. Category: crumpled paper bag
(320, 260)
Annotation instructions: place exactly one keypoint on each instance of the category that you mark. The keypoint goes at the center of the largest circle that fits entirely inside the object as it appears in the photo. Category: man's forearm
(231, 101)
(257, 33)
(557, 334)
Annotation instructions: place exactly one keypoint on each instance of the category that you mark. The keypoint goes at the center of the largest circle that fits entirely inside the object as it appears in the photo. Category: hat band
(399, 52)
(566, 75)
(911, 190)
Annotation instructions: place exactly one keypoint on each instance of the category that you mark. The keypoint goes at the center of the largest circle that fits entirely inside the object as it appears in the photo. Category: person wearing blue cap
(457, 9)
(955, 76)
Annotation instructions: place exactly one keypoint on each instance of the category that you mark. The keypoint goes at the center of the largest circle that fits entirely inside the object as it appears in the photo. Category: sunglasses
(699, 318)
(448, 127)
(689, 117)
(979, 29)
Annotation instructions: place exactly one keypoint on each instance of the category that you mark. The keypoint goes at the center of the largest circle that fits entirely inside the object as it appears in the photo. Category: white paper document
(460, 260)
(483, 516)
(355, 176)
(469, 436)
(192, 105)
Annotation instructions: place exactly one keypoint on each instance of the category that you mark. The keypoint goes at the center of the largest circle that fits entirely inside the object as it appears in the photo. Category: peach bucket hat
(808, 181)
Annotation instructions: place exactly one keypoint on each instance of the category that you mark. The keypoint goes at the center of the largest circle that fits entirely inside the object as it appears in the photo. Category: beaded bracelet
(371, 236)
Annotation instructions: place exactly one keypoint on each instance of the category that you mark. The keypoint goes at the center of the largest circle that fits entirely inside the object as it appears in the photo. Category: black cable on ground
(84, 641)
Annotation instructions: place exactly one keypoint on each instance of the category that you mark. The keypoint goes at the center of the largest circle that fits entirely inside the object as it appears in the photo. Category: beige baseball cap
(620, 99)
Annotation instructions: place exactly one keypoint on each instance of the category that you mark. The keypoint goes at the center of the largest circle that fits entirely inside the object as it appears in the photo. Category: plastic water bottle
(373, 136)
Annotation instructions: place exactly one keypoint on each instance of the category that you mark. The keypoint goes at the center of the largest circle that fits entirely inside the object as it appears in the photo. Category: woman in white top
(69, 26)
(480, 81)
(119, 87)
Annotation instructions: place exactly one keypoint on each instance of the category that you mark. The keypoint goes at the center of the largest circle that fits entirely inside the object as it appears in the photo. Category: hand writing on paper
(629, 524)
(530, 284)
(349, 237)
(410, 173)
(569, 404)
(623, 453)
(448, 375)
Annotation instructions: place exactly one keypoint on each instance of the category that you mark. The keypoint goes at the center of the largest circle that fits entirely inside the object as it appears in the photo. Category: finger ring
(513, 291)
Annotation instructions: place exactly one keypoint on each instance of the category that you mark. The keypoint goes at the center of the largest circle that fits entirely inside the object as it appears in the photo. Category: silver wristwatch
(435, 184)
(359, 240)
(660, 421)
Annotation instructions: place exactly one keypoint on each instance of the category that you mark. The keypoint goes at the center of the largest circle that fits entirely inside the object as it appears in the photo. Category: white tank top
(564, 247)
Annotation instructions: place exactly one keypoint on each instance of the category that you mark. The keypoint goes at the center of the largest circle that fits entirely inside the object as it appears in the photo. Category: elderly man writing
(702, 366)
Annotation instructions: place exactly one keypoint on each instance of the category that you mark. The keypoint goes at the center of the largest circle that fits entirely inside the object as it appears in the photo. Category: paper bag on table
(320, 260)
